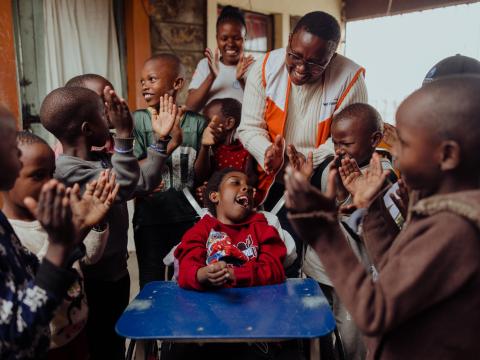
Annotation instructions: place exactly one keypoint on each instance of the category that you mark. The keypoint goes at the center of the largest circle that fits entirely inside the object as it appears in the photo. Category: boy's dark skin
(438, 153)
(163, 77)
(229, 211)
(53, 195)
(310, 48)
(230, 41)
(354, 136)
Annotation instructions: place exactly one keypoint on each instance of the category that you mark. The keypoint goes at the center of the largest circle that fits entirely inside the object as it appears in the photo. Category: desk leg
(315, 349)
(130, 350)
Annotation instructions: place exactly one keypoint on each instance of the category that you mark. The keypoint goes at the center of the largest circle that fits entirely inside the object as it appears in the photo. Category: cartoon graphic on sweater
(221, 248)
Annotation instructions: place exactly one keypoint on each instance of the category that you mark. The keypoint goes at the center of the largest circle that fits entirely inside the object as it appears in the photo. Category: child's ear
(376, 139)
(230, 123)
(213, 197)
(86, 129)
(178, 84)
(450, 155)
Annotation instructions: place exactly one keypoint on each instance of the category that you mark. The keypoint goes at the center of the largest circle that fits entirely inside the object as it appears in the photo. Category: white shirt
(304, 108)
(225, 84)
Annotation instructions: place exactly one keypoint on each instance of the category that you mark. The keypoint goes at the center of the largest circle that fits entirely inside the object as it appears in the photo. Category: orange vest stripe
(323, 130)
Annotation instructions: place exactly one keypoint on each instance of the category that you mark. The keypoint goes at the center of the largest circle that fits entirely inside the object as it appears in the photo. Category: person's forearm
(198, 97)
(57, 254)
(203, 167)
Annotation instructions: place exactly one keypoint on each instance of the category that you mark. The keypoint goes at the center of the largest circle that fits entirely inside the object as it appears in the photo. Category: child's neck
(229, 139)
(226, 221)
(455, 183)
(80, 150)
(15, 212)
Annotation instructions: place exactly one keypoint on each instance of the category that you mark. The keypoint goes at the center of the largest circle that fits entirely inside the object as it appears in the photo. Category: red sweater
(257, 239)
(233, 156)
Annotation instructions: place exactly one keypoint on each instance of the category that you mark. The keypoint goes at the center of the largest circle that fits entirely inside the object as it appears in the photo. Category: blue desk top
(162, 310)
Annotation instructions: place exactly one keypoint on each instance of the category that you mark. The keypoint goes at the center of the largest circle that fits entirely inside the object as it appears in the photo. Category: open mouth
(147, 96)
(243, 201)
(299, 76)
(231, 52)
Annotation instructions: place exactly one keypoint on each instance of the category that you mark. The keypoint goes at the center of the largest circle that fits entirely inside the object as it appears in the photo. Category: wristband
(122, 151)
(160, 145)
(101, 227)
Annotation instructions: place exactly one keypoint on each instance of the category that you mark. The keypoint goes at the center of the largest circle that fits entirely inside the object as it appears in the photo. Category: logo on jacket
(248, 248)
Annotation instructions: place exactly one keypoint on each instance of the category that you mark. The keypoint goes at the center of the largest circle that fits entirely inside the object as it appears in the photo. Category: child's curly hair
(213, 186)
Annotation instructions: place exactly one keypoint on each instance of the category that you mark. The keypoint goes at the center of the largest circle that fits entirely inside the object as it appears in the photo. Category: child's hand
(216, 274)
(54, 214)
(200, 193)
(96, 201)
(298, 161)
(243, 65)
(213, 61)
(401, 198)
(307, 205)
(167, 114)
(368, 185)
(176, 133)
(214, 133)
(274, 156)
(349, 173)
(390, 135)
(118, 113)
(302, 197)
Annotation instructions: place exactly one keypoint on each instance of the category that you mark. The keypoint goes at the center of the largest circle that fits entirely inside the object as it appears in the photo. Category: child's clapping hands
(216, 274)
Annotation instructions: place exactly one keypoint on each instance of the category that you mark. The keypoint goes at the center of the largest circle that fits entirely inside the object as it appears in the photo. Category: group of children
(397, 289)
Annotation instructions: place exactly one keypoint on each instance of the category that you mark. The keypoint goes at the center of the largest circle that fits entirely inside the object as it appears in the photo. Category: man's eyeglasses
(312, 66)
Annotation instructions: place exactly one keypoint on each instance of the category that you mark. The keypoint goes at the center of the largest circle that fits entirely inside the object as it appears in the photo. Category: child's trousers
(106, 302)
(152, 244)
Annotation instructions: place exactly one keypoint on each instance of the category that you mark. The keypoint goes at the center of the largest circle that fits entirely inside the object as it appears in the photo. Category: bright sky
(397, 51)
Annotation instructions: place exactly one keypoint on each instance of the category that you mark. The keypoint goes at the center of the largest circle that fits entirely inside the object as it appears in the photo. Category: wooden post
(137, 33)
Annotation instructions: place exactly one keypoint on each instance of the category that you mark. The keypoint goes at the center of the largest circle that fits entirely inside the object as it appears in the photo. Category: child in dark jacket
(234, 246)
(76, 116)
(429, 273)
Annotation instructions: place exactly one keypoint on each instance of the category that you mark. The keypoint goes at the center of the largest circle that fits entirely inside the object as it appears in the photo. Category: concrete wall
(281, 9)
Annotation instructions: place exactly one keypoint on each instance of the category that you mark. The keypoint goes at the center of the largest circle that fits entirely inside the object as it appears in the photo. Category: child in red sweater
(252, 250)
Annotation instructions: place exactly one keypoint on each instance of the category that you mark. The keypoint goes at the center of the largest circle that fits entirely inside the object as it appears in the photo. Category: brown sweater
(426, 301)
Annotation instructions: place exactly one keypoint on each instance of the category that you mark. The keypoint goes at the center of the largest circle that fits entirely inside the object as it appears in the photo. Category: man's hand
(368, 186)
(164, 122)
(97, 199)
(214, 133)
(298, 161)
(118, 113)
(243, 65)
(213, 61)
(216, 274)
(274, 156)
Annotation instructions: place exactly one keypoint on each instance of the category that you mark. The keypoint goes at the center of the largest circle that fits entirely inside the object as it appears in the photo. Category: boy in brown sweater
(425, 303)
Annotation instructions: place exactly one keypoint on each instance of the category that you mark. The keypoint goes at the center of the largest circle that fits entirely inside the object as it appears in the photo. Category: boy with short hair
(429, 275)
(160, 220)
(68, 325)
(76, 116)
(356, 132)
(30, 292)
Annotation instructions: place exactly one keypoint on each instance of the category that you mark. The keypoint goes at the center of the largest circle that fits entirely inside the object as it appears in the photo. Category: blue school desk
(296, 309)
